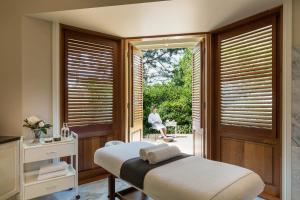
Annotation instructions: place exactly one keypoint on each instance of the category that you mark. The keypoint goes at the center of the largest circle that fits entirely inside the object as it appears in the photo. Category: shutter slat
(247, 124)
(257, 60)
(248, 58)
(248, 35)
(98, 45)
(247, 77)
(82, 75)
(90, 68)
(102, 83)
(263, 47)
(247, 48)
(246, 82)
(79, 51)
(248, 112)
(75, 71)
(87, 59)
(243, 44)
(73, 63)
(250, 83)
(246, 70)
(250, 65)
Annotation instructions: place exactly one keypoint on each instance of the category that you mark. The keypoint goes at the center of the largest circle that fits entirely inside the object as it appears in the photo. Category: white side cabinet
(31, 187)
(9, 169)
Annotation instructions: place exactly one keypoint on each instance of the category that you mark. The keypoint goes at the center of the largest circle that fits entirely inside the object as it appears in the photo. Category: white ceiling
(188, 41)
(161, 18)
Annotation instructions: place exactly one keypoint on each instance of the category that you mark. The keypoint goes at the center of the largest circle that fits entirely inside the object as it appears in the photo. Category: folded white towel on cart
(53, 167)
(52, 175)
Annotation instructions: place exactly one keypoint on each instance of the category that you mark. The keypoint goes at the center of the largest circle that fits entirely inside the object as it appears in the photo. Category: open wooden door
(136, 94)
(247, 93)
(91, 93)
(198, 86)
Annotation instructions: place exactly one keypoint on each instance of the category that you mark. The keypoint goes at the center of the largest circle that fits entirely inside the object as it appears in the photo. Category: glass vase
(37, 135)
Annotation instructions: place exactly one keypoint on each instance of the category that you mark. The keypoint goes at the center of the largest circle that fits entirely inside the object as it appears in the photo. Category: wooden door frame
(208, 81)
(279, 53)
(203, 101)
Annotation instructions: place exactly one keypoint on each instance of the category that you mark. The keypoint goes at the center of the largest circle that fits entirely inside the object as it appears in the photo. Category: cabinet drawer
(48, 152)
(48, 187)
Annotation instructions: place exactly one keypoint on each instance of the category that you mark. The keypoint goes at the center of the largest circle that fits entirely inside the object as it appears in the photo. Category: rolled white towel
(52, 175)
(162, 154)
(144, 151)
(53, 167)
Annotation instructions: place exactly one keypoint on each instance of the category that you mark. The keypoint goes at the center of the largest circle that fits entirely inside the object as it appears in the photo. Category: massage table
(189, 178)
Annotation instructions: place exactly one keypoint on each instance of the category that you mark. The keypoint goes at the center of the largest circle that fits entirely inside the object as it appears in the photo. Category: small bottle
(68, 133)
(63, 131)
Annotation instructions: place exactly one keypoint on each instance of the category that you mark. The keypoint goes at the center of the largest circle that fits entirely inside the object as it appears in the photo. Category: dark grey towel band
(134, 170)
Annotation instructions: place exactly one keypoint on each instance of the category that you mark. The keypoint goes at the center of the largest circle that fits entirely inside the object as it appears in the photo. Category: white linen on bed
(192, 178)
(246, 188)
(111, 158)
(195, 178)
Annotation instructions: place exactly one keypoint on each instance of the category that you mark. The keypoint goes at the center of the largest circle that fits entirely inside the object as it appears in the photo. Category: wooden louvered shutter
(246, 79)
(89, 81)
(197, 99)
(196, 84)
(136, 93)
(247, 117)
(137, 61)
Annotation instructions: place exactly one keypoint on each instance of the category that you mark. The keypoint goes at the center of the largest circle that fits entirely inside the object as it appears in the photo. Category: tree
(183, 72)
(159, 64)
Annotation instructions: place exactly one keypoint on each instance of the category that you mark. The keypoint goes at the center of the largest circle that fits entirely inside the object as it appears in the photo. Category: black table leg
(111, 187)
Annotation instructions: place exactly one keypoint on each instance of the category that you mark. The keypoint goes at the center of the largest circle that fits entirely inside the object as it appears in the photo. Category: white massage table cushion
(192, 178)
(111, 158)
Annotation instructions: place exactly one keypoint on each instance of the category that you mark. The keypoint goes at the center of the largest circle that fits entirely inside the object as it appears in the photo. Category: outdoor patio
(183, 141)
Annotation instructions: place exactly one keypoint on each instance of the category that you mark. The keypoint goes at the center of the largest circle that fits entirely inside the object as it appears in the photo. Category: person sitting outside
(156, 122)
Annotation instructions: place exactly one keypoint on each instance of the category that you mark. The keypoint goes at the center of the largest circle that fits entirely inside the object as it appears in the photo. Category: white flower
(33, 120)
(41, 124)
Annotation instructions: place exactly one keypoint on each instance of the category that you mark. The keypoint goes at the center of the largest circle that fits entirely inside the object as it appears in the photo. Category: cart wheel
(78, 196)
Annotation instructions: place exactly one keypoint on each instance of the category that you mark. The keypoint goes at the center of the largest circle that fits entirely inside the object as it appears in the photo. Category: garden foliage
(173, 98)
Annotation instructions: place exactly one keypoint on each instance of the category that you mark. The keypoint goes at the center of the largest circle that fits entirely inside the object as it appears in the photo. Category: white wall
(15, 100)
(10, 71)
(36, 69)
